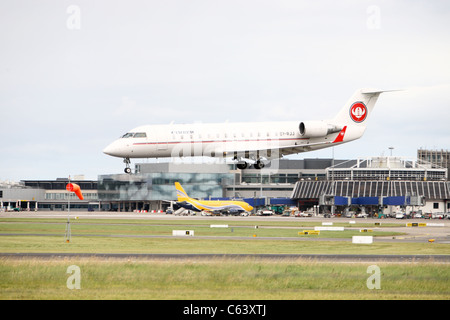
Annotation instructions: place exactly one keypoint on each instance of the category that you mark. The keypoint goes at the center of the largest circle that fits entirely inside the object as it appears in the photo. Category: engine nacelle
(316, 129)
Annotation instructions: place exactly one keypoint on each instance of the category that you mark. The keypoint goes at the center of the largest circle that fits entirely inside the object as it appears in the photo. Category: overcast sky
(75, 75)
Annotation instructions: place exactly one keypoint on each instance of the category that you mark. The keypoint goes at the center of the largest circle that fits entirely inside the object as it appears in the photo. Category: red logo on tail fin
(358, 112)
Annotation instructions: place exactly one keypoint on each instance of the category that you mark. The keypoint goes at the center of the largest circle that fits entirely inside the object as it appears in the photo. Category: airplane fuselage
(217, 140)
(246, 142)
(209, 205)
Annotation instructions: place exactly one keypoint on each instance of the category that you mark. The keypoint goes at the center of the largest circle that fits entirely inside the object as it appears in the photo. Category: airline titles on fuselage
(182, 132)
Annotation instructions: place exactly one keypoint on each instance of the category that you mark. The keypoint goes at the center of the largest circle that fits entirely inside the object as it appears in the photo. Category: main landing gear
(127, 165)
(259, 164)
(242, 165)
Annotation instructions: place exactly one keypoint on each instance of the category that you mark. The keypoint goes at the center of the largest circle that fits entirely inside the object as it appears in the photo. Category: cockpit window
(128, 135)
(134, 135)
(140, 135)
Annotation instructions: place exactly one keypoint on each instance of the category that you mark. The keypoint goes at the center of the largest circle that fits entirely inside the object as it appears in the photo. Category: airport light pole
(68, 231)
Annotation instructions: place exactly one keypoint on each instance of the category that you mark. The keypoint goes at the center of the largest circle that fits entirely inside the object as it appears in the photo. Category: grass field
(144, 236)
(238, 228)
(222, 278)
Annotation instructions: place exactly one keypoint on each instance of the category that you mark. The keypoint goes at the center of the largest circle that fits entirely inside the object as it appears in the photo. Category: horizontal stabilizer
(373, 91)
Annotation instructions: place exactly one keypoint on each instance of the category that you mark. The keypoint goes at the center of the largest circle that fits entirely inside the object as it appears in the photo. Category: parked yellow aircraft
(210, 205)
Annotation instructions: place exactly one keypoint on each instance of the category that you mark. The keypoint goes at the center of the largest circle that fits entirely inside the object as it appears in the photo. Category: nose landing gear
(127, 165)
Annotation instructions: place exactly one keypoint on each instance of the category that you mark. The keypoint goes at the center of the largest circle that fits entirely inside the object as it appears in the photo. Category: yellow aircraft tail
(181, 194)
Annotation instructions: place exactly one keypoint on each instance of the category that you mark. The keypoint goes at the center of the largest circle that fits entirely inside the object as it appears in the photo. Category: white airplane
(246, 142)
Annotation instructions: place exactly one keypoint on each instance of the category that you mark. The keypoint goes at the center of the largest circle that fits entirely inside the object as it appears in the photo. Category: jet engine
(316, 129)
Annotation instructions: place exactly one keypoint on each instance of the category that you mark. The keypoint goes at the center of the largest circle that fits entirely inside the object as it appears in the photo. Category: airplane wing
(271, 152)
(271, 149)
(293, 149)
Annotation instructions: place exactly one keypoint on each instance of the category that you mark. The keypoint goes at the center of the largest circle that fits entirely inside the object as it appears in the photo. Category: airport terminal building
(303, 183)
(152, 185)
(32, 195)
(380, 181)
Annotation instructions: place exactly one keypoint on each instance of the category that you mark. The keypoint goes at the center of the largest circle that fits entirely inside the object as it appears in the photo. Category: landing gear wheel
(241, 165)
(259, 164)
(127, 165)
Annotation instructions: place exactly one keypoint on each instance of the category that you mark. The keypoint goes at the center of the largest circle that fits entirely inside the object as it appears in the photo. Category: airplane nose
(108, 150)
(112, 150)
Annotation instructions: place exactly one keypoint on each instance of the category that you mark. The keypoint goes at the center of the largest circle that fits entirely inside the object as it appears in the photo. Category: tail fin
(181, 194)
(358, 109)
